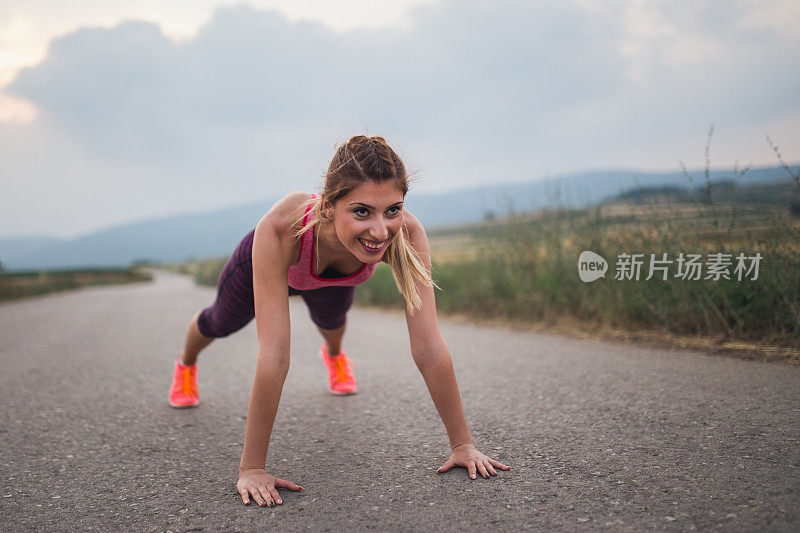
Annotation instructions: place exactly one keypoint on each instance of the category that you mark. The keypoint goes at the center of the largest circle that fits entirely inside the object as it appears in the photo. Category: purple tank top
(301, 274)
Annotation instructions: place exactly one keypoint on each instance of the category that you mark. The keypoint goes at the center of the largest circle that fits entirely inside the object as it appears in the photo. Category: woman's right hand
(262, 486)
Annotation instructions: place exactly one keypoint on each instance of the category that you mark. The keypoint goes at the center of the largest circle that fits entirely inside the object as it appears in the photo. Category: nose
(379, 231)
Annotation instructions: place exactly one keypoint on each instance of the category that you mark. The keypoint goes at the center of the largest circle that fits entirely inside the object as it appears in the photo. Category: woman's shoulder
(285, 215)
(412, 226)
(279, 227)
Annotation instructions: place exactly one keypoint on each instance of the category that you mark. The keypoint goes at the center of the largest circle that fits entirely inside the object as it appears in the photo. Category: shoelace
(341, 368)
(188, 385)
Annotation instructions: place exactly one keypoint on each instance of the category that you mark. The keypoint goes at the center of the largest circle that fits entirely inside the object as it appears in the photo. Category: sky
(112, 112)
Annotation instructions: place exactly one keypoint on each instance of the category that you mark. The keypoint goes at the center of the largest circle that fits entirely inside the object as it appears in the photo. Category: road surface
(600, 436)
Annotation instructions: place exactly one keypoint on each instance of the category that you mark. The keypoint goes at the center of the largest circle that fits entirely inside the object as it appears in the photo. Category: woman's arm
(433, 360)
(270, 288)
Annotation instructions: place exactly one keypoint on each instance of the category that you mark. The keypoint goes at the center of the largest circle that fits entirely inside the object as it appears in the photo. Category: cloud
(464, 71)
(471, 91)
(16, 110)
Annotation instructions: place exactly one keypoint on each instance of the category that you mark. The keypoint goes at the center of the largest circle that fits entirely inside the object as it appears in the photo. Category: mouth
(372, 246)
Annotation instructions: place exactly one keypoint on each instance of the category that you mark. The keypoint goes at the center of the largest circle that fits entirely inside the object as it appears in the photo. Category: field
(25, 284)
(522, 270)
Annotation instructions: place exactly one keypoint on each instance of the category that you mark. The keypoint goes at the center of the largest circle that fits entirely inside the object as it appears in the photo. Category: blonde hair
(359, 160)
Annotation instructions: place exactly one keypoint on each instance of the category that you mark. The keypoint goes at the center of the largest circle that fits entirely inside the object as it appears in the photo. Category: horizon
(122, 223)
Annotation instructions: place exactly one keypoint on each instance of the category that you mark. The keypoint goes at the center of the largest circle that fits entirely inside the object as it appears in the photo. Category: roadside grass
(16, 285)
(204, 272)
(524, 267)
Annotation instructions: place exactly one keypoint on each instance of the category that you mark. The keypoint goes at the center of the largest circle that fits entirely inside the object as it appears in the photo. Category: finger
(471, 469)
(257, 497)
(275, 496)
(287, 484)
(446, 466)
(265, 494)
(482, 469)
(499, 464)
(489, 467)
(245, 497)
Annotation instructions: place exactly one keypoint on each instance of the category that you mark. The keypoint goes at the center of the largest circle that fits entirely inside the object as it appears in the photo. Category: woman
(321, 247)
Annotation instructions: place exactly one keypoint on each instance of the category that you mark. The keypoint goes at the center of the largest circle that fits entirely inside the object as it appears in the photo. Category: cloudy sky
(117, 111)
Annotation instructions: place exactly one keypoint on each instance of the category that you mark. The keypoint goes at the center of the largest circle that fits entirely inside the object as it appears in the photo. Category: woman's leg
(333, 339)
(195, 342)
(233, 307)
(231, 311)
(183, 391)
(328, 308)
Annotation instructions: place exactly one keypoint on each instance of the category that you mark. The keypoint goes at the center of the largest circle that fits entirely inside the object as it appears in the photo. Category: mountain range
(216, 233)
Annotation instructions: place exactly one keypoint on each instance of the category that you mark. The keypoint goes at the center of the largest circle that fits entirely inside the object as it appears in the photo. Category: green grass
(528, 271)
(523, 266)
(15, 285)
(205, 272)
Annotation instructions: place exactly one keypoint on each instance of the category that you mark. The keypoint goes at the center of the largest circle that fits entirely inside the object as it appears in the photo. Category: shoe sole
(341, 393)
(179, 406)
(337, 393)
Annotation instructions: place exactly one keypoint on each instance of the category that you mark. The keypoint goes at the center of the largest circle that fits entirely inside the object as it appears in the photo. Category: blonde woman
(320, 247)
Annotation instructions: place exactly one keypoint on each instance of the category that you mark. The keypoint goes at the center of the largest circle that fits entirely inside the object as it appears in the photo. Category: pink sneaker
(340, 377)
(183, 392)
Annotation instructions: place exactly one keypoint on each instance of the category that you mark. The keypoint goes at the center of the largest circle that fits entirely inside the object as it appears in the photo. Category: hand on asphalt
(469, 457)
(262, 486)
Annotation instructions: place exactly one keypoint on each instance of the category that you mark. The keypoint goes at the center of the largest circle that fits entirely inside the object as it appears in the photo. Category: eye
(397, 209)
(361, 211)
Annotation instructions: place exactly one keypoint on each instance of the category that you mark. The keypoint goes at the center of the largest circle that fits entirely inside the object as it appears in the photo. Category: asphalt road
(600, 436)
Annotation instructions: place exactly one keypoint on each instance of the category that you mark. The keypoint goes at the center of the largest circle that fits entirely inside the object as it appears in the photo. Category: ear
(326, 209)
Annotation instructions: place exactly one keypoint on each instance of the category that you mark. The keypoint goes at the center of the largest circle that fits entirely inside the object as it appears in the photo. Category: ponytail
(315, 215)
(408, 270)
(314, 219)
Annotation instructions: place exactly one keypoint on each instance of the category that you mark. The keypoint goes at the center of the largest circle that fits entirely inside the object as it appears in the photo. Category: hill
(216, 233)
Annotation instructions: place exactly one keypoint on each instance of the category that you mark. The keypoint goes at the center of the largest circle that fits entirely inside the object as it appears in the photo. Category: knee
(332, 327)
(201, 327)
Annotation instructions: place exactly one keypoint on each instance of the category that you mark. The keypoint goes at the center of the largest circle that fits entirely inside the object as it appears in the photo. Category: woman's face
(368, 219)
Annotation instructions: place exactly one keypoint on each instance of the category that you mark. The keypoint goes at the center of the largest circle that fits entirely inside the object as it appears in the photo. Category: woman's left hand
(469, 457)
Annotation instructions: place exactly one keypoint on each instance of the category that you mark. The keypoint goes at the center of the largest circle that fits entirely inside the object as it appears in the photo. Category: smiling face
(367, 219)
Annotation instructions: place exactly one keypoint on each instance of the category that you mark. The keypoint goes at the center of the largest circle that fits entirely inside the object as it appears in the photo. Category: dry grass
(26, 284)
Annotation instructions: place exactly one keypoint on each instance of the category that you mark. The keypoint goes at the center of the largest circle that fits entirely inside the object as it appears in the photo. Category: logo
(591, 266)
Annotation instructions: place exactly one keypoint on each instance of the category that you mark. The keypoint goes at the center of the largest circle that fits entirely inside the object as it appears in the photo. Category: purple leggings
(234, 307)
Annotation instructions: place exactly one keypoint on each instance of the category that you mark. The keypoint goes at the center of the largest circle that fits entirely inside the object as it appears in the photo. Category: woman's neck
(329, 244)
